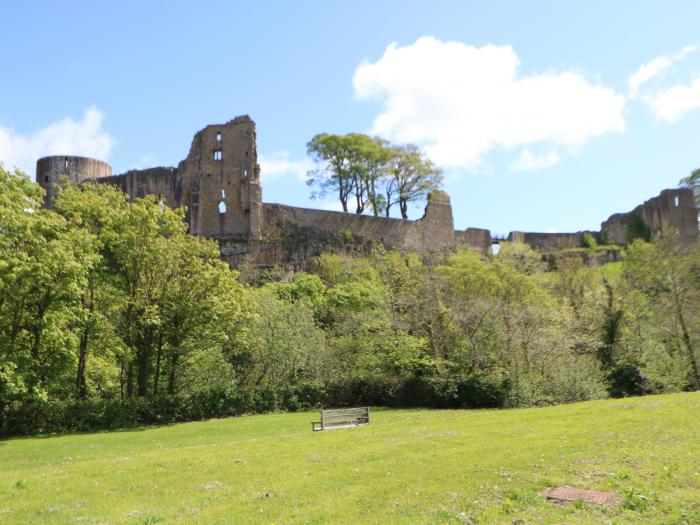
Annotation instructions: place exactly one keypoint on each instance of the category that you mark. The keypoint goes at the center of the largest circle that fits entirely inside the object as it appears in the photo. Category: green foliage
(589, 241)
(112, 315)
(371, 172)
(521, 257)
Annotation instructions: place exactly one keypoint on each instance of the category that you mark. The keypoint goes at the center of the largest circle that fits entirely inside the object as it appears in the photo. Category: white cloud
(280, 165)
(551, 230)
(672, 103)
(529, 162)
(667, 101)
(648, 71)
(654, 68)
(85, 137)
(460, 102)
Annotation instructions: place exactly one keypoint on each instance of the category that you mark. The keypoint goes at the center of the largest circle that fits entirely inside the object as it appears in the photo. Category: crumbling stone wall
(673, 210)
(476, 238)
(219, 185)
(432, 233)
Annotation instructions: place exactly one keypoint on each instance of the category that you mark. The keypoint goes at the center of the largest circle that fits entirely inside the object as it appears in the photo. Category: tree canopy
(370, 171)
(110, 304)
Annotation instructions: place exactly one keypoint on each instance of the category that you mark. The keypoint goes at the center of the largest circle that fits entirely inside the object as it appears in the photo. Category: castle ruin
(219, 185)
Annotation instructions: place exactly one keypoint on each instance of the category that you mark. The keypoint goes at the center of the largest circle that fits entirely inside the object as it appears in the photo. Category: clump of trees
(112, 315)
(371, 174)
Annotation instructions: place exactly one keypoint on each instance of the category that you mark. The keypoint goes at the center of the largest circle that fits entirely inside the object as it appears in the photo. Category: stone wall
(476, 238)
(550, 242)
(432, 233)
(672, 211)
(219, 185)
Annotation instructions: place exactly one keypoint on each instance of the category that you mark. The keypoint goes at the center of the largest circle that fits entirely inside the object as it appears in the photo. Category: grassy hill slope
(408, 466)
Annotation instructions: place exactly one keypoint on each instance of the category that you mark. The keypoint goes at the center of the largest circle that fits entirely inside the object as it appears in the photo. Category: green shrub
(589, 241)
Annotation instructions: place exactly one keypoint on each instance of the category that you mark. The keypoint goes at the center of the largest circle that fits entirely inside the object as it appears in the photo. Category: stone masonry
(219, 185)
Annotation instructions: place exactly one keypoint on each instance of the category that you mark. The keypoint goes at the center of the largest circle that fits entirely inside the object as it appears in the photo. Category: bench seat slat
(341, 412)
(325, 417)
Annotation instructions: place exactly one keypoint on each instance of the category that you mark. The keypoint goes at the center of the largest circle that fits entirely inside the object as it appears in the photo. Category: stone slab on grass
(569, 494)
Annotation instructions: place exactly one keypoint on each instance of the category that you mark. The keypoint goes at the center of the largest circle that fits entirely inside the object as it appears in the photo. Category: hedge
(50, 417)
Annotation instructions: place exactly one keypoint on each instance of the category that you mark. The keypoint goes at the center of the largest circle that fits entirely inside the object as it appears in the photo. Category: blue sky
(544, 115)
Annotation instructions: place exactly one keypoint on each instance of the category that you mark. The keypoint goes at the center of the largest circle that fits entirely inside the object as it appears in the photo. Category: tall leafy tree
(43, 265)
(668, 276)
(337, 167)
(411, 175)
(377, 175)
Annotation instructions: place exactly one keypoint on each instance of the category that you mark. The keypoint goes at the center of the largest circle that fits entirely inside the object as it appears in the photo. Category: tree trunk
(173, 373)
(130, 380)
(121, 379)
(3, 423)
(80, 383)
(143, 372)
(688, 345)
(159, 355)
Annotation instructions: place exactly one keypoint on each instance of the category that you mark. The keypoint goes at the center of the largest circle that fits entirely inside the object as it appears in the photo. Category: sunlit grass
(408, 466)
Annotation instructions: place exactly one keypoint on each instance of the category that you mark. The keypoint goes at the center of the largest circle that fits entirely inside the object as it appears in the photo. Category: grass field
(408, 466)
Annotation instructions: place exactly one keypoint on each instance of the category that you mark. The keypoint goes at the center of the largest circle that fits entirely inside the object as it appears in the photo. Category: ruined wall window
(217, 154)
(46, 178)
(65, 163)
(222, 204)
(495, 248)
(218, 136)
(676, 201)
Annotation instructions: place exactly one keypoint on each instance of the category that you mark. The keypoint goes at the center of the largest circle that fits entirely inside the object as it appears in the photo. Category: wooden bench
(341, 418)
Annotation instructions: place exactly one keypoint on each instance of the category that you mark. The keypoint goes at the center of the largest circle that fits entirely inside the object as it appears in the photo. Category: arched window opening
(222, 203)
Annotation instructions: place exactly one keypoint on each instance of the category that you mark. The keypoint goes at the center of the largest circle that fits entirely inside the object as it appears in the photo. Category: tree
(668, 276)
(99, 210)
(43, 264)
(411, 175)
(373, 172)
(336, 171)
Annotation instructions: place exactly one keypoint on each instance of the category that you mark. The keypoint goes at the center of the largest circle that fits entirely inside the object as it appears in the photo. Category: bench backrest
(344, 416)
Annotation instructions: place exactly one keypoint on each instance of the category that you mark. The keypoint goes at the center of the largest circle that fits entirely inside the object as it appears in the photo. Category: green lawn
(408, 466)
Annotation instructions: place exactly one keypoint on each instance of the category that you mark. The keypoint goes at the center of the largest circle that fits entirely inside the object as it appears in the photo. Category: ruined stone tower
(223, 176)
(218, 182)
(50, 170)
